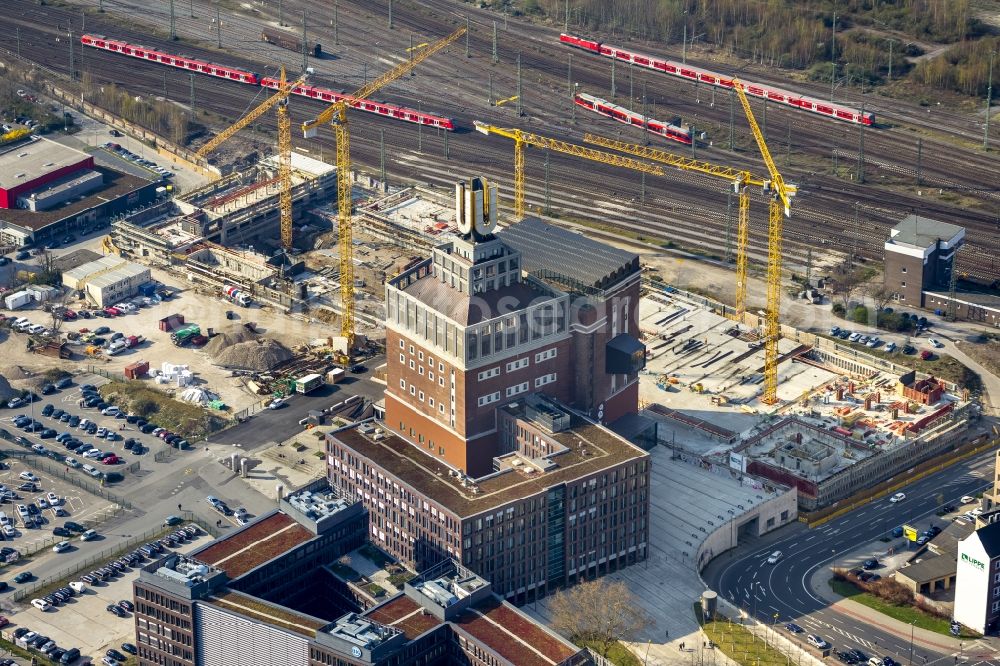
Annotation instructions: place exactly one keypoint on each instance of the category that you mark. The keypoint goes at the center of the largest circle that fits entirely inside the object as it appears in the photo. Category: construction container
(334, 375)
(168, 324)
(136, 370)
(148, 289)
(17, 300)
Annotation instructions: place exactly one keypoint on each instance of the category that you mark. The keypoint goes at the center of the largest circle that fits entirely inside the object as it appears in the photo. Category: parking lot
(73, 504)
(83, 621)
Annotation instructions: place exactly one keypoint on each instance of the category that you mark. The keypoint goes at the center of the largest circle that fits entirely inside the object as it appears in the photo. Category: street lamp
(911, 641)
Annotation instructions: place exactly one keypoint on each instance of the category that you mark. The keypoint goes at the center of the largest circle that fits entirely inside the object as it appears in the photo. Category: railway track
(824, 213)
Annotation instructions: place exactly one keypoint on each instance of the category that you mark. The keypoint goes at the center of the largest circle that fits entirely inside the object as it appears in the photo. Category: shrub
(859, 314)
(838, 309)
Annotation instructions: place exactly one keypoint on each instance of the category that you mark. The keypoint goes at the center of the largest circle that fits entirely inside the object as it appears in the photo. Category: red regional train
(244, 76)
(623, 115)
(828, 109)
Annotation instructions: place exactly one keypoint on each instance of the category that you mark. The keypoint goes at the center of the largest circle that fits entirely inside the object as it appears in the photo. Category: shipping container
(136, 370)
(287, 41)
(168, 324)
(308, 383)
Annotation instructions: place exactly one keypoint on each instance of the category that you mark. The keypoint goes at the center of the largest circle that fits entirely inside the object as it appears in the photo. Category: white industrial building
(107, 280)
(977, 587)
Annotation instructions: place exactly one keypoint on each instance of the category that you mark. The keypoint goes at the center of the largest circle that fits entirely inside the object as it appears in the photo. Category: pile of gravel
(235, 335)
(254, 355)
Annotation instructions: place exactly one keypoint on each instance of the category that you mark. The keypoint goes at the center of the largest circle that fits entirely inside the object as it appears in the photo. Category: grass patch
(618, 654)
(400, 579)
(739, 643)
(185, 419)
(905, 614)
(375, 590)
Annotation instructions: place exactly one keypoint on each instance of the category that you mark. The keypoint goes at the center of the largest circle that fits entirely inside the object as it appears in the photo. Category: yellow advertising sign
(910, 532)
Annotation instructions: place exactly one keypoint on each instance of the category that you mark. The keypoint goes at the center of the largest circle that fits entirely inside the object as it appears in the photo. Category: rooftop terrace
(404, 614)
(258, 543)
(589, 448)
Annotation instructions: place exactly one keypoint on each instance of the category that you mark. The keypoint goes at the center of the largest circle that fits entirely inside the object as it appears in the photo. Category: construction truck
(182, 336)
(237, 295)
(308, 383)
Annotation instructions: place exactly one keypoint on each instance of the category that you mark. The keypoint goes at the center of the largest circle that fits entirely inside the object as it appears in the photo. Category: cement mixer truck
(236, 295)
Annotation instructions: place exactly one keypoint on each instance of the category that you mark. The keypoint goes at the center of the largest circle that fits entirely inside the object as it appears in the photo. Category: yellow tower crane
(336, 115)
(280, 99)
(522, 139)
(741, 180)
(781, 207)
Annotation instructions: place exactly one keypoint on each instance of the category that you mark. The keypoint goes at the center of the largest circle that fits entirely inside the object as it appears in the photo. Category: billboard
(910, 532)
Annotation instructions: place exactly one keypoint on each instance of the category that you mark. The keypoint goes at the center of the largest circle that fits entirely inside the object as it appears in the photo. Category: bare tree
(845, 287)
(601, 612)
(880, 295)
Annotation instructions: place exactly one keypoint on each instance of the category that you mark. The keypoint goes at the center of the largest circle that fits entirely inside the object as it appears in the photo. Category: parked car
(817, 641)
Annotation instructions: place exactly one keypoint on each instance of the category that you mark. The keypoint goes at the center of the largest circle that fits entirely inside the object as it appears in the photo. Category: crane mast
(336, 115)
(780, 207)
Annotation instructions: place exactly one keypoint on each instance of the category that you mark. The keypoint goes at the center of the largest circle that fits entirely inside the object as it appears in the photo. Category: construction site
(842, 421)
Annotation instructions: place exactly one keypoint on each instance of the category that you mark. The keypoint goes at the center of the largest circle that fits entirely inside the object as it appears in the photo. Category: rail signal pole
(989, 101)
(466, 35)
(72, 62)
(173, 26)
(613, 91)
(218, 26)
(305, 48)
(336, 24)
(519, 106)
(496, 58)
(191, 74)
(390, 14)
(861, 148)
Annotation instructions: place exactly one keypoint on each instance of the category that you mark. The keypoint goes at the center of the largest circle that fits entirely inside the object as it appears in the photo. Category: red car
(165, 434)
(4, 621)
(926, 354)
(85, 330)
(69, 314)
(198, 340)
(111, 460)
(112, 312)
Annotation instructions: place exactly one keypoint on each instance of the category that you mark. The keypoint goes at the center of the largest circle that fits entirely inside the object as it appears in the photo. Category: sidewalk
(984, 648)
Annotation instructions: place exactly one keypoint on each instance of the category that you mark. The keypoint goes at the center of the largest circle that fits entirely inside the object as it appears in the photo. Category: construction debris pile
(254, 355)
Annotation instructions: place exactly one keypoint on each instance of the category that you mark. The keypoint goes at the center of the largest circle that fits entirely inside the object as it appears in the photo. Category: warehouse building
(267, 594)
(48, 190)
(107, 280)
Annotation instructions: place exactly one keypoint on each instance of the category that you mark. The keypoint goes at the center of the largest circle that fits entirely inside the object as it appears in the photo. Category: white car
(891, 347)
(78, 586)
(935, 342)
(41, 604)
(88, 535)
(774, 557)
(53, 499)
(967, 499)
(898, 497)
(42, 503)
(8, 531)
(92, 453)
(277, 403)
(27, 476)
(22, 511)
(72, 462)
(60, 547)
(110, 411)
(816, 641)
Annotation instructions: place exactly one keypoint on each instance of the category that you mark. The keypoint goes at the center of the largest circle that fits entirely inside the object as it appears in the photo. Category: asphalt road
(272, 426)
(745, 578)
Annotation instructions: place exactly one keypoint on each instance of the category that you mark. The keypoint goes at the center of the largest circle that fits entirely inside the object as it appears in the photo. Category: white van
(24, 326)
(19, 321)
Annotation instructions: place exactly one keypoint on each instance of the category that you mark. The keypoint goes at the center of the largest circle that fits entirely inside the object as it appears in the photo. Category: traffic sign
(910, 532)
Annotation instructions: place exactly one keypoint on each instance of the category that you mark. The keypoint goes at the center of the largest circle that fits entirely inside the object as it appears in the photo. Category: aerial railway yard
(683, 207)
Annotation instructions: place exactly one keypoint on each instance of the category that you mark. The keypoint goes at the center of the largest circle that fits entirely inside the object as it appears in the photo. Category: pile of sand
(254, 355)
(235, 335)
(16, 372)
